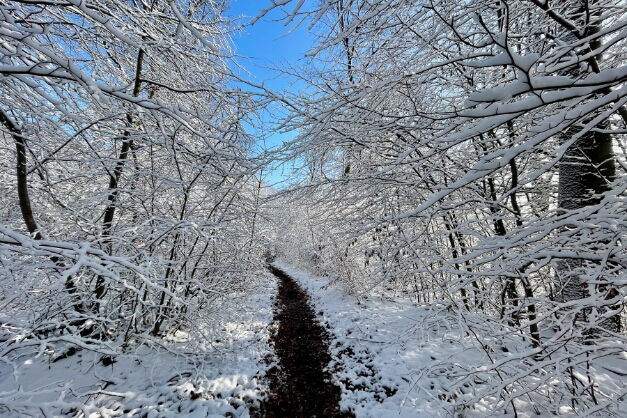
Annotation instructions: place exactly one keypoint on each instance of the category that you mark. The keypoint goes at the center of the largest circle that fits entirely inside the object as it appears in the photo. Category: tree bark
(107, 223)
(22, 174)
(586, 172)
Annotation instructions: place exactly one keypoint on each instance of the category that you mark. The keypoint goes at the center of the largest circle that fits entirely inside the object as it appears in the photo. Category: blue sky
(268, 41)
(266, 44)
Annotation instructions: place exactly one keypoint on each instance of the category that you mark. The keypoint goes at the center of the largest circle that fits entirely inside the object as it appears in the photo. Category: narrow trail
(299, 387)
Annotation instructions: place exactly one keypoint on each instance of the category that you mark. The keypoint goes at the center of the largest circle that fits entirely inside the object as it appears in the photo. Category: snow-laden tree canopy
(466, 155)
(128, 189)
(470, 154)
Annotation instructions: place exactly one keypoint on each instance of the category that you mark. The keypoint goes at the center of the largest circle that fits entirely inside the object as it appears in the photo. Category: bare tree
(133, 174)
(473, 126)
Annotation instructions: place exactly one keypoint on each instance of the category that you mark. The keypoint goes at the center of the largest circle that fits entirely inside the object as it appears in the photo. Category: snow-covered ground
(394, 358)
(390, 358)
(151, 381)
(378, 352)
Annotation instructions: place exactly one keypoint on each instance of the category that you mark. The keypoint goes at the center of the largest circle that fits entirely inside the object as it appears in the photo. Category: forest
(448, 197)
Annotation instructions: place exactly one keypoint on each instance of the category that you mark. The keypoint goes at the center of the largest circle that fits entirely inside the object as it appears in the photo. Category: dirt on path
(299, 387)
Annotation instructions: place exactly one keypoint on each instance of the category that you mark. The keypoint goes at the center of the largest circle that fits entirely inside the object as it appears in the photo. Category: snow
(389, 357)
(221, 379)
(395, 358)
(379, 354)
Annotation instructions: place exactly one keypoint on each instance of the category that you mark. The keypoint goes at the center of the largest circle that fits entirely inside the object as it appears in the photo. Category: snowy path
(390, 357)
(299, 386)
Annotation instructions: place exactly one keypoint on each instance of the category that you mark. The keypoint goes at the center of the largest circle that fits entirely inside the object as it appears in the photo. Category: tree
(465, 122)
(125, 218)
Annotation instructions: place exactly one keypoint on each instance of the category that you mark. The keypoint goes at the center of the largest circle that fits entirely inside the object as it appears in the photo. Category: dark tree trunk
(22, 173)
(22, 192)
(586, 173)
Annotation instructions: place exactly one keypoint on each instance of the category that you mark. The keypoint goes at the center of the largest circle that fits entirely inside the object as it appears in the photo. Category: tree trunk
(23, 196)
(114, 178)
(586, 172)
(22, 173)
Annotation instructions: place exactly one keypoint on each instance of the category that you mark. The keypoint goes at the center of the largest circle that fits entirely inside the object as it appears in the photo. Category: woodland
(467, 158)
